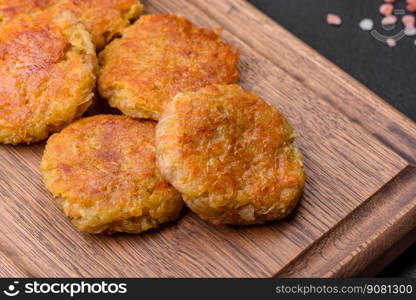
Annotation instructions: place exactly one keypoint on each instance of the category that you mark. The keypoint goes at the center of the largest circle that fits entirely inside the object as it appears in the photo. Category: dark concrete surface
(389, 72)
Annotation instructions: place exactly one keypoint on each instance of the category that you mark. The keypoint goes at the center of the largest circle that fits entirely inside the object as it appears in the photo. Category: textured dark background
(389, 72)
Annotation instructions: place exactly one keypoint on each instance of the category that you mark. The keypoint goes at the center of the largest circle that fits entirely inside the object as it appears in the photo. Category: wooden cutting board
(359, 207)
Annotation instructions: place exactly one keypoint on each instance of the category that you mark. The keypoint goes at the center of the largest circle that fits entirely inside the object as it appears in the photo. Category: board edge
(331, 257)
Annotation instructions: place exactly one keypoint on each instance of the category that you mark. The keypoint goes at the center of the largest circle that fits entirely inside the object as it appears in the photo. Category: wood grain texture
(355, 178)
(386, 214)
(390, 254)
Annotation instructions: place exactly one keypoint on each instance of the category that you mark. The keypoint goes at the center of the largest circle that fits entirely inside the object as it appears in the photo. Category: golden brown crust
(230, 154)
(47, 66)
(104, 19)
(158, 57)
(10, 9)
(102, 170)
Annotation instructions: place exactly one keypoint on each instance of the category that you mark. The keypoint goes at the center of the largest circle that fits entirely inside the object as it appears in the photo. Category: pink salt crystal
(410, 31)
(411, 5)
(333, 19)
(391, 42)
(386, 9)
(389, 20)
(408, 21)
(389, 1)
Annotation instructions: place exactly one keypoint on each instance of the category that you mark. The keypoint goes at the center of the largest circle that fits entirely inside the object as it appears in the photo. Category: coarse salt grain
(389, 20)
(366, 24)
(391, 42)
(333, 19)
(408, 21)
(410, 31)
(411, 5)
(386, 9)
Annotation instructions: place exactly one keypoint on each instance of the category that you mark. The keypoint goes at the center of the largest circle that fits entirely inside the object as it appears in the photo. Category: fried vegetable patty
(103, 173)
(158, 57)
(230, 154)
(47, 75)
(103, 18)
